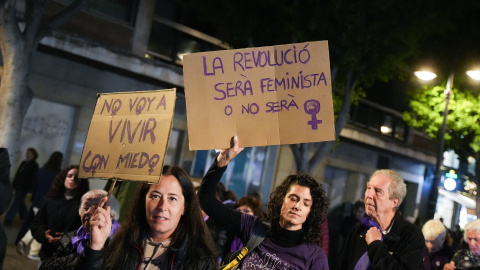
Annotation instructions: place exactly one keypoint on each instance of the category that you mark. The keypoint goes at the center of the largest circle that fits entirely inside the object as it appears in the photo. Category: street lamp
(427, 75)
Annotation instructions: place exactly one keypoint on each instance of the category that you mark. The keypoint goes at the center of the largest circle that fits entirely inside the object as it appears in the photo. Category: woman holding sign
(295, 210)
(163, 230)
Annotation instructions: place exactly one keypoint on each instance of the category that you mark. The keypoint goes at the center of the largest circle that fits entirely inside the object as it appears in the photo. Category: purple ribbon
(364, 262)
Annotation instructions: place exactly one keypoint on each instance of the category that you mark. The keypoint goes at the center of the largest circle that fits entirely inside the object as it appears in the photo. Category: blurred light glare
(425, 75)
(450, 184)
(474, 74)
(385, 129)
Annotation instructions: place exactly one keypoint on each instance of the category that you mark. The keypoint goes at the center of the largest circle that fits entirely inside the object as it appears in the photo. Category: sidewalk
(13, 260)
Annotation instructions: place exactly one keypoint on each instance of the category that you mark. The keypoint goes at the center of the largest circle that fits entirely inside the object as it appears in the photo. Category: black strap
(259, 234)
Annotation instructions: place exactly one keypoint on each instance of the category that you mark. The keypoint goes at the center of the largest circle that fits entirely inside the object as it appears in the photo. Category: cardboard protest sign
(128, 136)
(266, 95)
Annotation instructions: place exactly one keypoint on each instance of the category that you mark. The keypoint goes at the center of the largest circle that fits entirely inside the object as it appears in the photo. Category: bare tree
(22, 26)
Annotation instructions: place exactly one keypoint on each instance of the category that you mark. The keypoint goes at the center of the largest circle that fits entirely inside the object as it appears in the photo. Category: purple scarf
(79, 240)
(364, 262)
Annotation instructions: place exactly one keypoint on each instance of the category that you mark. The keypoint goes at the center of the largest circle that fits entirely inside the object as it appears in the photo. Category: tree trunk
(17, 52)
(301, 151)
(16, 97)
(14, 91)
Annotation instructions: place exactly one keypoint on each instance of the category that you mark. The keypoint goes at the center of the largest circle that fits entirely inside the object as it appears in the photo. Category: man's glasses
(246, 211)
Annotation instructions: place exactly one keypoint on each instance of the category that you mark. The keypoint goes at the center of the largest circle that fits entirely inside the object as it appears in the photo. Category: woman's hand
(53, 239)
(449, 266)
(100, 226)
(227, 155)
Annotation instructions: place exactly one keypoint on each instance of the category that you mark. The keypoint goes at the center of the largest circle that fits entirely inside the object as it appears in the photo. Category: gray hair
(434, 228)
(100, 193)
(398, 188)
(473, 225)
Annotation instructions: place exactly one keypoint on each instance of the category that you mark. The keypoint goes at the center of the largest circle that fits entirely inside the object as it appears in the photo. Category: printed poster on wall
(128, 136)
(267, 96)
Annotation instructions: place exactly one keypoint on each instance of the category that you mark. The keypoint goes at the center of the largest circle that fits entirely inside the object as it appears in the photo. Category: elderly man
(383, 240)
(438, 252)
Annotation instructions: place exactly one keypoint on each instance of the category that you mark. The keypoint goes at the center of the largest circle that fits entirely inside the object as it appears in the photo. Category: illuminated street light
(474, 74)
(424, 75)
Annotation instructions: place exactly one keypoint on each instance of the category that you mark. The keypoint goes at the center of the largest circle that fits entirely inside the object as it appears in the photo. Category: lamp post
(425, 75)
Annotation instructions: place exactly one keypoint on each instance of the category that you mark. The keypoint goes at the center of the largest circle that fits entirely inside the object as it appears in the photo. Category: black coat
(402, 248)
(64, 257)
(59, 215)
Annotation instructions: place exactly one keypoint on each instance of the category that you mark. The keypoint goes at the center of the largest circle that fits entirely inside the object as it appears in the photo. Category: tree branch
(296, 150)
(61, 17)
(9, 21)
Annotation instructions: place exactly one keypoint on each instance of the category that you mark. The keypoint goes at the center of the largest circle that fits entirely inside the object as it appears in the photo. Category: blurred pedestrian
(41, 184)
(5, 198)
(469, 257)
(22, 184)
(457, 235)
(357, 213)
(59, 213)
(438, 251)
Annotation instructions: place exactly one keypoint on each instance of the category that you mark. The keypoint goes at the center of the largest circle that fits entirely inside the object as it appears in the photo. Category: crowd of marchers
(177, 224)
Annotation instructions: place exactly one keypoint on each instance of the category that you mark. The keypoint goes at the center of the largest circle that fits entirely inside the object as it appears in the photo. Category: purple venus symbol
(312, 107)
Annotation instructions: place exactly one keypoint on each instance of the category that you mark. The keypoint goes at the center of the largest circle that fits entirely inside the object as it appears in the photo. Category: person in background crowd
(448, 237)
(325, 237)
(22, 184)
(257, 195)
(73, 243)
(230, 197)
(42, 183)
(457, 235)
(438, 251)
(468, 258)
(250, 206)
(383, 239)
(295, 211)
(58, 215)
(358, 212)
(5, 198)
(164, 230)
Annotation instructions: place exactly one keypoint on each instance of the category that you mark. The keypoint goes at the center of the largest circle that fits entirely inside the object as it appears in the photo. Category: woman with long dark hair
(58, 215)
(164, 230)
(295, 211)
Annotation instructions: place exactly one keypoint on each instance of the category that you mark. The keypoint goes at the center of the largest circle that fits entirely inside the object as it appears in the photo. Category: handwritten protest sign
(128, 136)
(267, 96)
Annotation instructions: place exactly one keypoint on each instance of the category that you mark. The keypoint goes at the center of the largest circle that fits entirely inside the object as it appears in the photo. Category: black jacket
(402, 248)
(64, 257)
(59, 215)
(93, 259)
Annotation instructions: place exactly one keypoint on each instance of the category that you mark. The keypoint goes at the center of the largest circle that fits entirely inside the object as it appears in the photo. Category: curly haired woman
(295, 210)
